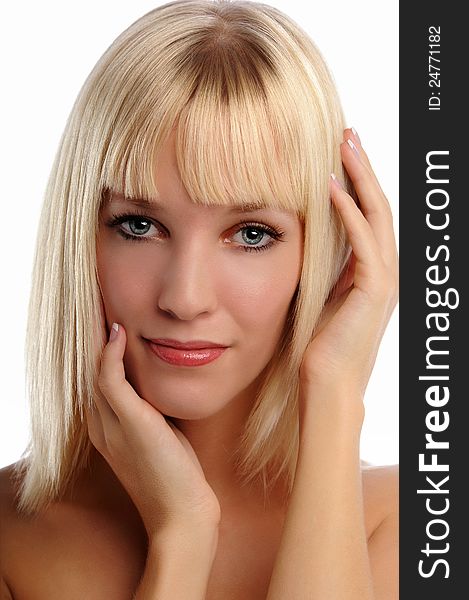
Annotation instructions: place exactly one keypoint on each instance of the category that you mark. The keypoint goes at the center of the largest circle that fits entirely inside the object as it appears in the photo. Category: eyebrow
(153, 204)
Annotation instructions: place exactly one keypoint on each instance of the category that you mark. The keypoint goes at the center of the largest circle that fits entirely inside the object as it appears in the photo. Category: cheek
(121, 280)
(261, 301)
(265, 285)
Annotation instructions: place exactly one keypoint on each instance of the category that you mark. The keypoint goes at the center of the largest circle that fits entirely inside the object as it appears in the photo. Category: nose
(187, 284)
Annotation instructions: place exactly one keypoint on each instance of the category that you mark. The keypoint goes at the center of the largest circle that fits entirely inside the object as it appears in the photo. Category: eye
(251, 233)
(138, 224)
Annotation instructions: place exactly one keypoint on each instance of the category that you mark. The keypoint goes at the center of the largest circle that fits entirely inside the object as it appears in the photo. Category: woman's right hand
(153, 460)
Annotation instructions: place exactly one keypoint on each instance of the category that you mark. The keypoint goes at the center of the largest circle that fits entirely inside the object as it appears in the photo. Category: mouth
(190, 345)
(185, 356)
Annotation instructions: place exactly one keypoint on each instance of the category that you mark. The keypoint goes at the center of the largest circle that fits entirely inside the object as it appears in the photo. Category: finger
(187, 446)
(353, 135)
(118, 393)
(373, 202)
(372, 198)
(369, 262)
(345, 279)
(106, 413)
(330, 308)
(350, 133)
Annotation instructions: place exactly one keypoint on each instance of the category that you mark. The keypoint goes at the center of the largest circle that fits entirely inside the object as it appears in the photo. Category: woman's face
(194, 279)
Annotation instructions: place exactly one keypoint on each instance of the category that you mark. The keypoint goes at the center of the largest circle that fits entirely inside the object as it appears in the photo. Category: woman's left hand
(342, 353)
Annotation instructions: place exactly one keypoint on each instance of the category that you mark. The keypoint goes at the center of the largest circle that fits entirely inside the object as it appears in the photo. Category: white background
(48, 49)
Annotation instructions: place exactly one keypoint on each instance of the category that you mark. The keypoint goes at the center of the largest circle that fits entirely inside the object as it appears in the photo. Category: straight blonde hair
(258, 121)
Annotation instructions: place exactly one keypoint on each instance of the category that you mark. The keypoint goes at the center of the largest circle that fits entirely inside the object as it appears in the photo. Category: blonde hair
(257, 120)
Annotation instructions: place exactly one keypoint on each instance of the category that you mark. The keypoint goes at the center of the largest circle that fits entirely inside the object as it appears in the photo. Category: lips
(186, 357)
(192, 345)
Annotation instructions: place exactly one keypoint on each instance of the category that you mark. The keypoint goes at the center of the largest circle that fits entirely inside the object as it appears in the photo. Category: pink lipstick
(186, 354)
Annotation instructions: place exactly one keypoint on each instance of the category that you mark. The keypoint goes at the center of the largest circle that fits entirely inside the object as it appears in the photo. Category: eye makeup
(116, 220)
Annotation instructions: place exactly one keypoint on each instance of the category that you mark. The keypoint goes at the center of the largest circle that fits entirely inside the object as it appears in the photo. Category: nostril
(170, 312)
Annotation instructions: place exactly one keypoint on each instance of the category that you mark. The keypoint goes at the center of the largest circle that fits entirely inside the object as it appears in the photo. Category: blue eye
(256, 231)
(253, 233)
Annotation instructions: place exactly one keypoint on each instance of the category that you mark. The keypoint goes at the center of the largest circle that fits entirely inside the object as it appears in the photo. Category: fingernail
(354, 131)
(336, 181)
(114, 330)
(354, 148)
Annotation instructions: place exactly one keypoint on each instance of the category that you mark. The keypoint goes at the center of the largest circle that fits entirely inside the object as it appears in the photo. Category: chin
(188, 412)
(188, 405)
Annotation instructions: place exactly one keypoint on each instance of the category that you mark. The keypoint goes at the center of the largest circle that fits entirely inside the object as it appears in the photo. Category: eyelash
(118, 219)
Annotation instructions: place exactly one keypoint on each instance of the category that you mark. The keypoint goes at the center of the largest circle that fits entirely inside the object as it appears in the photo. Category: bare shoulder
(10, 517)
(7, 499)
(87, 548)
(380, 492)
(7, 517)
(6, 485)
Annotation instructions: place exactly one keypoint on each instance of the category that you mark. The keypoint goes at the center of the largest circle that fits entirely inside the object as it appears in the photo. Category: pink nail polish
(114, 331)
(354, 131)
(354, 148)
(336, 181)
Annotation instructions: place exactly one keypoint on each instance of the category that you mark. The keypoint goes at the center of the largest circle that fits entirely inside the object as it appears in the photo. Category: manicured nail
(114, 331)
(354, 131)
(336, 181)
(354, 148)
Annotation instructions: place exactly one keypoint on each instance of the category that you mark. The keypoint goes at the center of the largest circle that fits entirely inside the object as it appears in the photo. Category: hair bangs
(238, 153)
(240, 132)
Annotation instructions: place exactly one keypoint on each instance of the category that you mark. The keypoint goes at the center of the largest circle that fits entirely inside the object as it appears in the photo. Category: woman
(156, 471)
